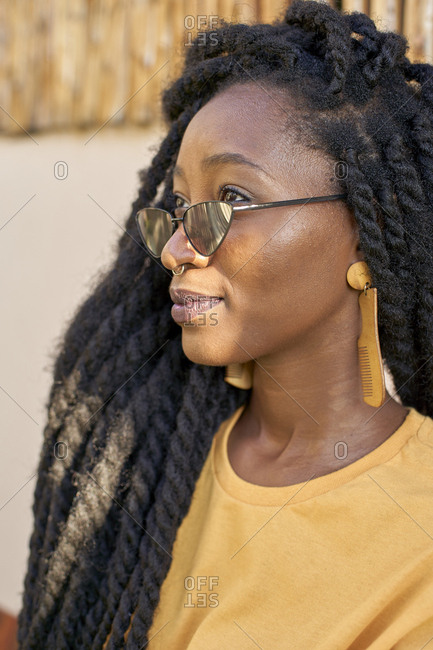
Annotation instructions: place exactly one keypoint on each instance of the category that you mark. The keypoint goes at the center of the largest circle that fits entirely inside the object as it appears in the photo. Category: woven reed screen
(84, 63)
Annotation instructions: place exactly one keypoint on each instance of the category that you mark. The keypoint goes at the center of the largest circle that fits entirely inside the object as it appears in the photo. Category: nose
(179, 250)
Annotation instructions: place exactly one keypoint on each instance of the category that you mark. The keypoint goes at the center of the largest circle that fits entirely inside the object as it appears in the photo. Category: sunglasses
(205, 224)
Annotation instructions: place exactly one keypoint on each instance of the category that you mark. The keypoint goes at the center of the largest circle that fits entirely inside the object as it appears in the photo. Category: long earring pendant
(370, 357)
(240, 374)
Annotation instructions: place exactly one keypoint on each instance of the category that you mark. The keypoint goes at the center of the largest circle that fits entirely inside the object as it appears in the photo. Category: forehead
(246, 102)
(245, 117)
(262, 125)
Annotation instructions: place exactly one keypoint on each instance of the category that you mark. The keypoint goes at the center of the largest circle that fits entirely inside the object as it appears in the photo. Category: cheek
(287, 279)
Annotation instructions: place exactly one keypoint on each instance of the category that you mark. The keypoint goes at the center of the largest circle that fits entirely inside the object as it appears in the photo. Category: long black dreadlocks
(136, 415)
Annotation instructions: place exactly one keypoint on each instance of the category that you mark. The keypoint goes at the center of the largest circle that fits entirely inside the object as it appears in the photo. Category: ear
(359, 252)
(356, 253)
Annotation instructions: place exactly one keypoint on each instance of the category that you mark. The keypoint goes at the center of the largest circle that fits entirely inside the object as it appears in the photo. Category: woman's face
(280, 273)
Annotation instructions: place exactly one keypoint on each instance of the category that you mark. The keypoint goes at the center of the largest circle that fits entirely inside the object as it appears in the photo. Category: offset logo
(203, 24)
(200, 591)
(198, 311)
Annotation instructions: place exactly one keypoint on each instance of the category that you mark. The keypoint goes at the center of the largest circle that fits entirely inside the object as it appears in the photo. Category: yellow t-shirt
(342, 561)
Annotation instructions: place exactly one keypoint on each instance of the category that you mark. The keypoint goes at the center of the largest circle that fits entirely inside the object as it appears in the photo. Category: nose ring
(182, 268)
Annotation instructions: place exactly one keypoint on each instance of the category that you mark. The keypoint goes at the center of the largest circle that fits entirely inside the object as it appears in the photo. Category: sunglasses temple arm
(276, 204)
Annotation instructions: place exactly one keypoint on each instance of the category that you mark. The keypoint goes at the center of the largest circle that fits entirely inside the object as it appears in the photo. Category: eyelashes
(225, 190)
(228, 193)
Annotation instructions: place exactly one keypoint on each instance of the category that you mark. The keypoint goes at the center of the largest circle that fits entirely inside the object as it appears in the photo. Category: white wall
(49, 252)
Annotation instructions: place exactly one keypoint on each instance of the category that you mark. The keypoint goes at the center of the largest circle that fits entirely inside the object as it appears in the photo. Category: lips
(190, 304)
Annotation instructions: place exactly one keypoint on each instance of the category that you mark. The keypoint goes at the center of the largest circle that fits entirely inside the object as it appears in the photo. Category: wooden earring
(370, 357)
(240, 374)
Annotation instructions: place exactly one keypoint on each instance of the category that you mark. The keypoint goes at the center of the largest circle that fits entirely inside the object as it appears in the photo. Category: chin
(209, 347)
(198, 347)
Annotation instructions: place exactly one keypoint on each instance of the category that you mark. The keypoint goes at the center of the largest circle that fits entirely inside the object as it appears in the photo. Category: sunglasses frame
(234, 208)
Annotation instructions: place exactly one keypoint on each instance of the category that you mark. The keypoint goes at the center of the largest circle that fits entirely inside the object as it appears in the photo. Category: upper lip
(180, 295)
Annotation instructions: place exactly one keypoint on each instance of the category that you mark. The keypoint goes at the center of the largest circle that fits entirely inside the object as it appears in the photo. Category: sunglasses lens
(207, 224)
(155, 229)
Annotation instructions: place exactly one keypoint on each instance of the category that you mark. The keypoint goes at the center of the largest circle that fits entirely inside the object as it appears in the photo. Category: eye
(180, 205)
(179, 202)
(232, 195)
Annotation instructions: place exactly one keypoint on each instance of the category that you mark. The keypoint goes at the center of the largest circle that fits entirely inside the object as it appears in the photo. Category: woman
(237, 475)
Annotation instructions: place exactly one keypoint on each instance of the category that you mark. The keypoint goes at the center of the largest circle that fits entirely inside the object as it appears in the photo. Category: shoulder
(419, 445)
(405, 480)
(424, 427)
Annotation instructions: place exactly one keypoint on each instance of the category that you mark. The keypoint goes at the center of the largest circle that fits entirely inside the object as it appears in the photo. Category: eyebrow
(225, 158)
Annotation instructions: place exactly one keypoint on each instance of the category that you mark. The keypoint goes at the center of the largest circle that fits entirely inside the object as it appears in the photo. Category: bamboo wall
(85, 63)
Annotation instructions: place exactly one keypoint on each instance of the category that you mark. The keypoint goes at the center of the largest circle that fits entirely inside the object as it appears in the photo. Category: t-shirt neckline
(242, 490)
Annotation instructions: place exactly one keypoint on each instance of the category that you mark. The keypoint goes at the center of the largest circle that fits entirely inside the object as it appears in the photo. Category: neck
(306, 399)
